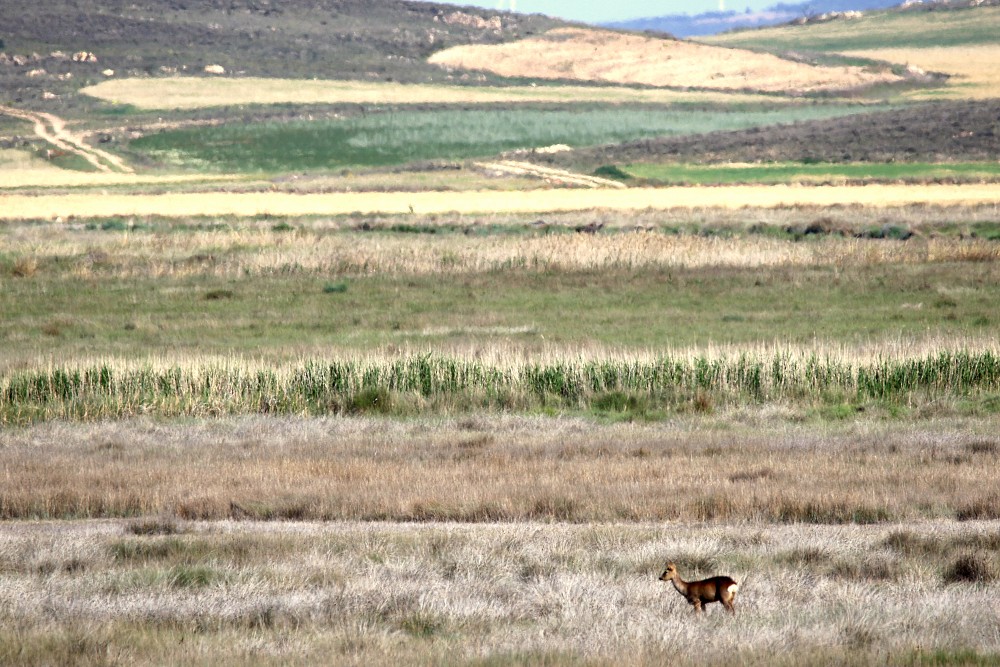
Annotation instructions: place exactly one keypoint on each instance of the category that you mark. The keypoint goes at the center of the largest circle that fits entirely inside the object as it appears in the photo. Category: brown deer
(698, 593)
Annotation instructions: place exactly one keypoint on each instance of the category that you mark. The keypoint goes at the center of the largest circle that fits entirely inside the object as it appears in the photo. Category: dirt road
(52, 129)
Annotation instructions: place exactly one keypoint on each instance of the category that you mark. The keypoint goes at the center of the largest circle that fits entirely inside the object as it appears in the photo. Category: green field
(769, 173)
(398, 137)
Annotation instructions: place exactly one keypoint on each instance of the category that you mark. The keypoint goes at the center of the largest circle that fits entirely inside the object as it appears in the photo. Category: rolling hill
(388, 40)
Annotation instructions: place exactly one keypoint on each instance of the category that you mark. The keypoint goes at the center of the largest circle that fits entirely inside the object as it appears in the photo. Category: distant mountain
(710, 23)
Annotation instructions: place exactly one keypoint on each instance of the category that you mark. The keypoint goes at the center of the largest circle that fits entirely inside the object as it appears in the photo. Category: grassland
(263, 417)
(538, 201)
(318, 298)
(972, 73)
(294, 593)
(958, 42)
(400, 137)
(198, 93)
(675, 174)
(751, 465)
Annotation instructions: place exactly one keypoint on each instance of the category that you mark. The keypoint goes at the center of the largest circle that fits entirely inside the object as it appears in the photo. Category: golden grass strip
(974, 70)
(284, 204)
(197, 93)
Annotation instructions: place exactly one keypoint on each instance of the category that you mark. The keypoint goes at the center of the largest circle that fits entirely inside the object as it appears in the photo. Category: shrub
(985, 508)
(974, 568)
(335, 288)
(155, 526)
(377, 400)
(611, 171)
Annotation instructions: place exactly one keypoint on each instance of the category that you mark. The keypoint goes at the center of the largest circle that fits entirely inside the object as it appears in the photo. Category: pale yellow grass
(196, 93)
(284, 204)
(262, 251)
(349, 593)
(599, 55)
(975, 69)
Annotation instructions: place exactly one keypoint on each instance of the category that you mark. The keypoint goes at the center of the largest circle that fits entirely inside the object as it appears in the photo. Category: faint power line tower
(509, 5)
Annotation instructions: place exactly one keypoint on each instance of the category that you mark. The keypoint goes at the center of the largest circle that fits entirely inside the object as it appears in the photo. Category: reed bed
(431, 382)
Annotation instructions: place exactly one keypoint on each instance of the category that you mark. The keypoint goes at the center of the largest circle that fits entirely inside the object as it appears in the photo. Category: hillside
(958, 39)
(612, 57)
(940, 132)
(387, 40)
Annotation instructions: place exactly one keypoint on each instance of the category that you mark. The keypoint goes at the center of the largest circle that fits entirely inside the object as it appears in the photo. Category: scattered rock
(215, 69)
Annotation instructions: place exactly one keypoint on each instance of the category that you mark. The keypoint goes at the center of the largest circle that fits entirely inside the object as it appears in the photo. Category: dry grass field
(573, 581)
(198, 93)
(325, 248)
(742, 464)
(973, 70)
(598, 55)
(13, 207)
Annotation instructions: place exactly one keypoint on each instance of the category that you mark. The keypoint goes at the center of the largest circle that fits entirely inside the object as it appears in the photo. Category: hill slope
(940, 132)
(612, 57)
(380, 40)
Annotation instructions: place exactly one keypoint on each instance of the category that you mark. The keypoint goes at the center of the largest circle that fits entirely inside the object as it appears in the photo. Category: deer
(698, 593)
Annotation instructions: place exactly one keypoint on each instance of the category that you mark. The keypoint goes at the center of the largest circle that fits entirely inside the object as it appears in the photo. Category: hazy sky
(597, 12)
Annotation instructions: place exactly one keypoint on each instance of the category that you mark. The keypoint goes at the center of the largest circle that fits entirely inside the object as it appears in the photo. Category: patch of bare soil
(548, 174)
(600, 55)
(939, 132)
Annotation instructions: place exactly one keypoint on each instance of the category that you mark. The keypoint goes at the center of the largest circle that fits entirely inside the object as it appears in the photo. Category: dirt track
(52, 129)
(477, 202)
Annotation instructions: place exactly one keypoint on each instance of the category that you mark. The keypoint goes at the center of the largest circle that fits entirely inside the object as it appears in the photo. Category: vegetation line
(451, 384)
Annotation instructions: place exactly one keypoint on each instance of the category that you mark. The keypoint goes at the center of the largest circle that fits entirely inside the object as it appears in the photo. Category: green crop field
(672, 174)
(398, 137)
